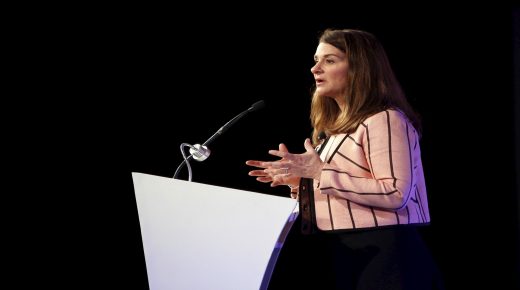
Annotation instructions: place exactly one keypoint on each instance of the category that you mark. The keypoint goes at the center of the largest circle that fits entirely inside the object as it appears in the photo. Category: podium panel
(199, 236)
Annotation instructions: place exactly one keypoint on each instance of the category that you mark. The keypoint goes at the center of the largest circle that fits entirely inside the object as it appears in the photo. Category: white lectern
(199, 236)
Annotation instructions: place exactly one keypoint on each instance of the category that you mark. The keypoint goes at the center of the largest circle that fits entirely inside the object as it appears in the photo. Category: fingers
(264, 179)
(268, 165)
(280, 179)
(308, 145)
(281, 152)
(276, 176)
(257, 173)
(262, 164)
(255, 163)
(261, 176)
(274, 172)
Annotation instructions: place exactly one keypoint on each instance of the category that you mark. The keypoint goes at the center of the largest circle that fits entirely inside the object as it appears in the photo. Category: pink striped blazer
(372, 177)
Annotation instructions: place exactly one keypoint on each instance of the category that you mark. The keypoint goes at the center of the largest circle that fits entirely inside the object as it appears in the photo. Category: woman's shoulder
(388, 115)
(389, 120)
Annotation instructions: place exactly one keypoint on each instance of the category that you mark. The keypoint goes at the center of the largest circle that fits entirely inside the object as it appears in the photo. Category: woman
(360, 183)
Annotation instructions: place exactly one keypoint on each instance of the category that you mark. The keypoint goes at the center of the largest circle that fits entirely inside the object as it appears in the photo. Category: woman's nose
(316, 68)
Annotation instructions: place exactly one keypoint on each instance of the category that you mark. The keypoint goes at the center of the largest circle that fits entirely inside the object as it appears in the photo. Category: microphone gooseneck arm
(225, 128)
(201, 152)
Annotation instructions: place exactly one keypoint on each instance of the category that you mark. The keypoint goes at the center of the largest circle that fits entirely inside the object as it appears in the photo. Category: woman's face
(330, 71)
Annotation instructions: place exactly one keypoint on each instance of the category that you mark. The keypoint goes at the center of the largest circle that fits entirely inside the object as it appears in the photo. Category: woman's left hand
(307, 164)
(266, 175)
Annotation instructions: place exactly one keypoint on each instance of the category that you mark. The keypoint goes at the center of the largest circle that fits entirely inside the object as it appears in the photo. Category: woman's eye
(330, 61)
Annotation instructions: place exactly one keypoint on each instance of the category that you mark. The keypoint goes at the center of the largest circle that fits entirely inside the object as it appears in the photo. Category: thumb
(282, 147)
(308, 146)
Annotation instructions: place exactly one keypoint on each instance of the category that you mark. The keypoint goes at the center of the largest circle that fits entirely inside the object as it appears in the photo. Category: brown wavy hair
(372, 86)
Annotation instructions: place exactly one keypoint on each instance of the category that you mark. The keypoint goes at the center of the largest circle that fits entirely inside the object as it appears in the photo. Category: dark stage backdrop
(146, 80)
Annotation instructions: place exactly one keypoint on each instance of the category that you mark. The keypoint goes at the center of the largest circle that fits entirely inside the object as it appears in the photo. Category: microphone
(201, 152)
(254, 107)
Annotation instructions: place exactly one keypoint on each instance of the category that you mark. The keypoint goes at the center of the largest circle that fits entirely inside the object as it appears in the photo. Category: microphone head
(257, 106)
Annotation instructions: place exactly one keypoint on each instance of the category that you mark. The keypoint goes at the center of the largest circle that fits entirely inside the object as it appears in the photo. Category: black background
(133, 83)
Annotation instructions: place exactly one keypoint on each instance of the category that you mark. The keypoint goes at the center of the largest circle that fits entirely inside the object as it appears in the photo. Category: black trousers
(392, 257)
(386, 258)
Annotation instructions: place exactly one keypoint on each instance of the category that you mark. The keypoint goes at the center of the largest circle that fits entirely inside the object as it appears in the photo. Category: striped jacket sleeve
(388, 143)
